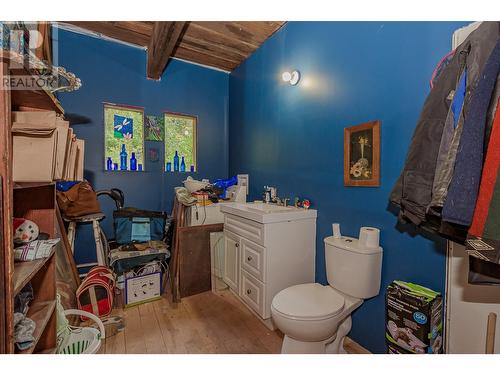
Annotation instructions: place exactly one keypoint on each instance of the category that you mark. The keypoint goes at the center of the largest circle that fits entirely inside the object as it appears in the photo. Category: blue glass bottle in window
(123, 158)
(109, 164)
(183, 164)
(133, 162)
(176, 162)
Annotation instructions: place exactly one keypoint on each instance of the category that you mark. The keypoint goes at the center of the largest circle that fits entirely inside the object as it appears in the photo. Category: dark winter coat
(413, 190)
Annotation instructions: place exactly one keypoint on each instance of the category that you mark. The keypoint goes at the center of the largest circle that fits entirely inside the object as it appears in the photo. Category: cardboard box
(34, 117)
(142, 289)
(69, 141)
(70, 170)
(413, 319)
(34, 152)
(80, 155)
(48, 119)
(62, 141)
(395, 349)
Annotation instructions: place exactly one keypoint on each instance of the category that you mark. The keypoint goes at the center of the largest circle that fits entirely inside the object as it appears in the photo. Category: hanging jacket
(413, 190)
(486, 220)
(462, 194)
(448, 147)
(483, 240)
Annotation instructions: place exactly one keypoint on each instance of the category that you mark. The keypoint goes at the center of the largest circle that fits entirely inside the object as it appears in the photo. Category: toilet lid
(308, 301)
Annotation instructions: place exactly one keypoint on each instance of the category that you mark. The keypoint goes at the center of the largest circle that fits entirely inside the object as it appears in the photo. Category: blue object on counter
(123, 158)
(183, 165)
(176, 162)
(115, 166)
(65, 185)
(191, 168)
(133, 162)
(168, 167)
(140, 167)
(109, 164)
(225, 183)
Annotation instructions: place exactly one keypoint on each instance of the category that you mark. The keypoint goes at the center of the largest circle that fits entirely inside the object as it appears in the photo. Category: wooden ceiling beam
(162, 44)
(223, 44)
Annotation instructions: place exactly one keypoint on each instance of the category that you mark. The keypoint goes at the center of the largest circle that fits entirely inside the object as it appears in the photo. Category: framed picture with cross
(362, 154)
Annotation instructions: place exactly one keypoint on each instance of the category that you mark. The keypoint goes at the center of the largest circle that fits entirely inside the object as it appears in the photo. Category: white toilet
(315, 318)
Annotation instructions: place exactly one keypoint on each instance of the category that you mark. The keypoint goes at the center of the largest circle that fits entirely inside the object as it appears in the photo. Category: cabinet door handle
(249, 291)
(237, 244)
(249, 259)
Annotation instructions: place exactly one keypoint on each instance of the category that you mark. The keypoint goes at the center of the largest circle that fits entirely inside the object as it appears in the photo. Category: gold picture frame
(362, 154)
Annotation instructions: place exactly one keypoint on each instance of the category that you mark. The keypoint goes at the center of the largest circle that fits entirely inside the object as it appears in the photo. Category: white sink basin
(267, 213)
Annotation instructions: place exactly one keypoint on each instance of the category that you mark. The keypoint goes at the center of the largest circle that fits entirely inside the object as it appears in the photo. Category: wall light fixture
(292, 78)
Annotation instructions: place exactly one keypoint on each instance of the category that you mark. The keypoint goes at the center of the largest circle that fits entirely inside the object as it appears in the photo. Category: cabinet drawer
(245, 228)
(253, 259)
(252, 292)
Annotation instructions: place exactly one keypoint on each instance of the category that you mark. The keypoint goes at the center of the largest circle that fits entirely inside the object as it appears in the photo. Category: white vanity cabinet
(231, 273)
(263, 258)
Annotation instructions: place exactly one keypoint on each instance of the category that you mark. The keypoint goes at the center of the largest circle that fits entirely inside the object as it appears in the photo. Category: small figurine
(25, 231)
(306, 204)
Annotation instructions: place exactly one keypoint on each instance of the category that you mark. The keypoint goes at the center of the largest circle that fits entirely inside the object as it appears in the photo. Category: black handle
(249, 291)
(249, 259)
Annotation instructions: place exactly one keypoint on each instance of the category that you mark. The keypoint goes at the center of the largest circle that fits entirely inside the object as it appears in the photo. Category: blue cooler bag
(134, 225)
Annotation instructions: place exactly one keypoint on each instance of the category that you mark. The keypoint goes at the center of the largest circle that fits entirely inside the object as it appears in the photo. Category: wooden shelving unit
(36, 202)
(42, 313)
(30, 99)
(25, 271)
(36, 99)
(33, 201)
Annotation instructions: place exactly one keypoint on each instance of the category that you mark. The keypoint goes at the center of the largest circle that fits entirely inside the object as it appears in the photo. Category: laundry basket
(77, 340)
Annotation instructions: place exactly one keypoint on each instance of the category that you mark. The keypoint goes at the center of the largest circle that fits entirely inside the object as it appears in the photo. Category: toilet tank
(352, 268)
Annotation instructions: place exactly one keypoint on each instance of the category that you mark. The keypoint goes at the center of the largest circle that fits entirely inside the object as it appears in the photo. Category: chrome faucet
(266, 195)
(282, 202)
(270, 195)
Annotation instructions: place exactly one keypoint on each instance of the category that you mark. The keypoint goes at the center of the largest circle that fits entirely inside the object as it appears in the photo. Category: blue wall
(292, 137)
(116, 73)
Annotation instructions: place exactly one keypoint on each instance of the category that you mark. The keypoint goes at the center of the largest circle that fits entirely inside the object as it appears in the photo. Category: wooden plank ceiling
(222, 45)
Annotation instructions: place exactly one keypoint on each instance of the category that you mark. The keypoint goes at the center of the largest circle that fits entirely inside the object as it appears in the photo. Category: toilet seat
(308, 302)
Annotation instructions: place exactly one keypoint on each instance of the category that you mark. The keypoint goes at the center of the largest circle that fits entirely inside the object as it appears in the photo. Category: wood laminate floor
(203, 324)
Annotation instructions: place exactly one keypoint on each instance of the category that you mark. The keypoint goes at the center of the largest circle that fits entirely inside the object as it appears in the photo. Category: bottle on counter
(168, 167)
(183, 165)
(123, 158)
(109, 164)
(133, 162)
(191, 168)
(176, 162)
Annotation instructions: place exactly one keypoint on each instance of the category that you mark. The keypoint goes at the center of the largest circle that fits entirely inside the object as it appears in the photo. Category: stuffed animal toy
(25, 231)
